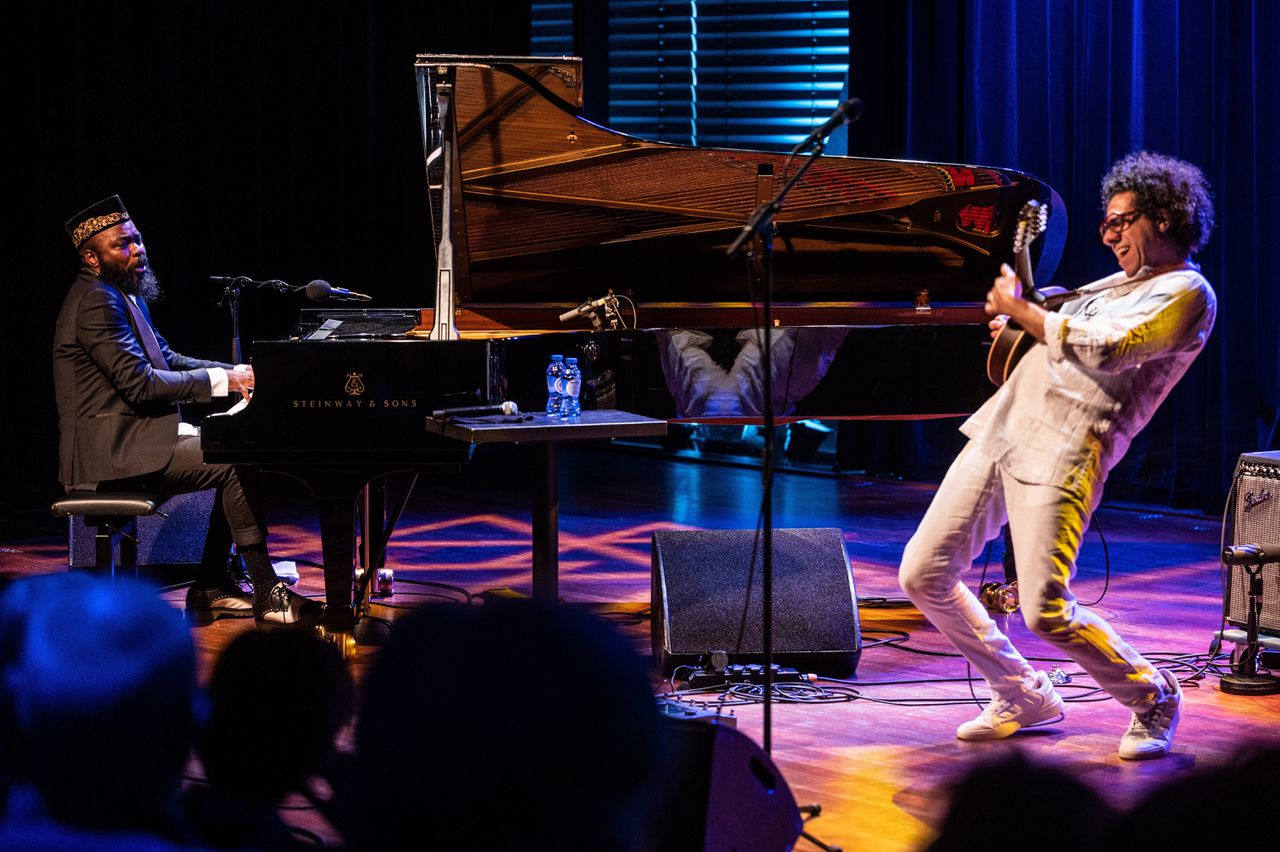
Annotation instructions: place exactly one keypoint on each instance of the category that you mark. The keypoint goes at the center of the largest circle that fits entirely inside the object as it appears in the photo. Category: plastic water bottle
(570, 407)
(555, 384)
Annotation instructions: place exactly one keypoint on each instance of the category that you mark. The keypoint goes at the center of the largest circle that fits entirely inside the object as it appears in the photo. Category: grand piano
(554, 234)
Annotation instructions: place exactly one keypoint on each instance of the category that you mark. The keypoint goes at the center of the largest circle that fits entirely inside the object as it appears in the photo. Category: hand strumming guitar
(1005, 302)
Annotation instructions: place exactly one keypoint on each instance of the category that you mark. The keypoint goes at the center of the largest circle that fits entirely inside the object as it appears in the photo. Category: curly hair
(1161, 182)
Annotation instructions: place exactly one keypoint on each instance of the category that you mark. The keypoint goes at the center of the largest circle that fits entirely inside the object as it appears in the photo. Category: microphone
(1251, 554)
(586, 307)
(847, 113)
(319, 291)
(475, 411)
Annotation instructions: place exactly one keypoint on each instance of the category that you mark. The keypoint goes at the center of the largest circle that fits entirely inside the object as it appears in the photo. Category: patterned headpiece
(96, 218)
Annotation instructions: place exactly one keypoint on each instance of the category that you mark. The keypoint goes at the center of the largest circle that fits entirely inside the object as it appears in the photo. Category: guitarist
(1039, 451)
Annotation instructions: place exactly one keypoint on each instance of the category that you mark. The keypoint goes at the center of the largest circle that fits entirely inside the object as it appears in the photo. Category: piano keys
(338, 414)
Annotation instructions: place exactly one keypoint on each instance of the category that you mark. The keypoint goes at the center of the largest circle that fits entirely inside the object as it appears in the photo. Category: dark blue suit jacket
(117, 414)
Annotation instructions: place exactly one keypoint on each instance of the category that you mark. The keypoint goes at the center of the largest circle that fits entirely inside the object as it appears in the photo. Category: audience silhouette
(13, 626)
(515, 726)
(509, 726)
(277, 702)
(1184, 806)
(102, 704)
(1014, 802)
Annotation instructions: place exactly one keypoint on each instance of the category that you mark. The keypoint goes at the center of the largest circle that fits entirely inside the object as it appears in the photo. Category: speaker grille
(1256, 520)
(707, 593)
(175, 537)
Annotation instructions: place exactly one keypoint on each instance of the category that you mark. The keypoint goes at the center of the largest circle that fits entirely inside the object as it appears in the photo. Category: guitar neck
(1022, 267)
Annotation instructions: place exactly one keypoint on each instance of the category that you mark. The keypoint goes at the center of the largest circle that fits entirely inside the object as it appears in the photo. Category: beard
(144, 285)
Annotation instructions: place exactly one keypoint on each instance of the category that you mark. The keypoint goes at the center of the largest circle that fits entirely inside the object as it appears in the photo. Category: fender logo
(1252, 501)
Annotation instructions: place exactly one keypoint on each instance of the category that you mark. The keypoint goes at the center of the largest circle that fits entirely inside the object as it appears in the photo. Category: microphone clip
(589, 309)
(233, 284)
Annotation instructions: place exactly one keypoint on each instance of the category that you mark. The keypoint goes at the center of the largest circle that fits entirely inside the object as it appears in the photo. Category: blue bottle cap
(571, 360)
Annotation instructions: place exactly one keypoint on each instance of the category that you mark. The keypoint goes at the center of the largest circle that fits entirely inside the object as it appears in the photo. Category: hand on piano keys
(240, 380)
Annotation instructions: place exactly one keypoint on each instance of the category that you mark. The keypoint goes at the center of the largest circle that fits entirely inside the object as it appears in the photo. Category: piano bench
(112, 515)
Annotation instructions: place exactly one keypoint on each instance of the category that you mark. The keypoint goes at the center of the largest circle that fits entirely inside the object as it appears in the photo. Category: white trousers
(1047, 524)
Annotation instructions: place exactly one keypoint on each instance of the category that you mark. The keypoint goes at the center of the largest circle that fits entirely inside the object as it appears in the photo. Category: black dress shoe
(285, 608)
(224, 600)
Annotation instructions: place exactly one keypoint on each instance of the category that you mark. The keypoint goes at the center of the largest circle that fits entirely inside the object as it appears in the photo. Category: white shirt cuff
(218, 379)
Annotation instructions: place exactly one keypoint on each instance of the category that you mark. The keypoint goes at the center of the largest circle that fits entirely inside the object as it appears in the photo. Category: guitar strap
(1091, 297)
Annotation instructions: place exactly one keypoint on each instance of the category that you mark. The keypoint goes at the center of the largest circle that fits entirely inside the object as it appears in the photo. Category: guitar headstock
(1033, 219)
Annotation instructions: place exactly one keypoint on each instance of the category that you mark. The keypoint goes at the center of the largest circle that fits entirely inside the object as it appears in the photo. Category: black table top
(538, 427)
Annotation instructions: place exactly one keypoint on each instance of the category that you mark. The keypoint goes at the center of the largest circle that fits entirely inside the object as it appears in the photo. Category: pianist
(118, 387)
(1041, 447)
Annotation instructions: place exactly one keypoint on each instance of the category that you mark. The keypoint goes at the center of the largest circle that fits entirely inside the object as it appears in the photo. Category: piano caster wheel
(344, 642)
(385, 586)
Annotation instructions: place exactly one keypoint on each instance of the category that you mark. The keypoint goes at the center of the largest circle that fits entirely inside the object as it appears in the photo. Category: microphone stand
(760, 225)
(231, 288)
(231, 298)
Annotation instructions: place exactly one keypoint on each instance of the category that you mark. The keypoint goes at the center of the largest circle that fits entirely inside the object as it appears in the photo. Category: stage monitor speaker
(1255, 519)
(174, 540)
(706, 597)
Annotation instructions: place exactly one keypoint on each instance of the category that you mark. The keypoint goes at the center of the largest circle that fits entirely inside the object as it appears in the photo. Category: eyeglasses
(1119, 223)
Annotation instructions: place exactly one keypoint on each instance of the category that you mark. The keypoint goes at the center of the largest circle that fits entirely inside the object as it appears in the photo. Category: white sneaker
(1150, 734)
(1003, 717)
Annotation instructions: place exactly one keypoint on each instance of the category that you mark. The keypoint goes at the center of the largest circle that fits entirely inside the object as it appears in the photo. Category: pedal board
(688, 711)
(739, 673)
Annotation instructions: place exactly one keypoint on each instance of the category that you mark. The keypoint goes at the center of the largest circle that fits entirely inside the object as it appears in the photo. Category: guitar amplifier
(1255, 519)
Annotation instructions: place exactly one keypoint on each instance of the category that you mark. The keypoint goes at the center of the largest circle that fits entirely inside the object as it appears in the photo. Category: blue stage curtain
(1063, 88)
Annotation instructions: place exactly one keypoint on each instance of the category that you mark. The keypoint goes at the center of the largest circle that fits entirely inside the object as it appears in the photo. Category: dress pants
(1047, 524)
(237, 509)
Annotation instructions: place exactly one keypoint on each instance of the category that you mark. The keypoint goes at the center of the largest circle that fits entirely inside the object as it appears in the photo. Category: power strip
(749, 673)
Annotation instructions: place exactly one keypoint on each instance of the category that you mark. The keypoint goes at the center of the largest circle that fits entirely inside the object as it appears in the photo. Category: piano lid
(550, 207)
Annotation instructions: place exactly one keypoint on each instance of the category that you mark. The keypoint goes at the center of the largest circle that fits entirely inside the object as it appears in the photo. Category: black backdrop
(269, 139)
(1063, 88)
(281, 139)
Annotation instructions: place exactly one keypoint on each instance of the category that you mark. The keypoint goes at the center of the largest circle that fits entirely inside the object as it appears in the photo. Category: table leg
(546, 524)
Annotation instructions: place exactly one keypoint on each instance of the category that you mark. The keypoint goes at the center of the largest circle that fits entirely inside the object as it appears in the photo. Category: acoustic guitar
(1014, 341)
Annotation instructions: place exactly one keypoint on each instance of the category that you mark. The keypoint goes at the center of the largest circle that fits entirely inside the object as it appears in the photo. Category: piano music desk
(546, 433)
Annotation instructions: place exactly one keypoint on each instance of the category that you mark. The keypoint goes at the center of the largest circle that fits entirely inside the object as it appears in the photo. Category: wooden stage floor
(879, 765)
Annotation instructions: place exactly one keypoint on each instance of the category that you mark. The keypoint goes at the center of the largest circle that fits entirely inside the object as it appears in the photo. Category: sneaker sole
(1146, 755)
(1001, 733)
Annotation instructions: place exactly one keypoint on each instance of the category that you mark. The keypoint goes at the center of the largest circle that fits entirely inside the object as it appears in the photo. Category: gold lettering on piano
(363, 404)
(355, 384)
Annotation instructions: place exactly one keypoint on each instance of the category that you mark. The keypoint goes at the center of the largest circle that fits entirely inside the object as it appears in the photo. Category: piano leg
(376, 530)
(373, 511)
(546, 524)
(338, 489)
(337, 535)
